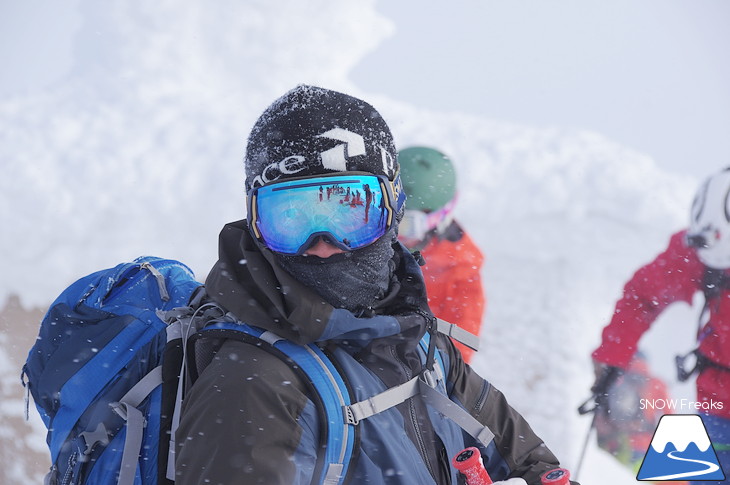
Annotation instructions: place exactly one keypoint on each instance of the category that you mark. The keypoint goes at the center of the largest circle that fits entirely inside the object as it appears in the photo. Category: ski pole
(593, 403)
(469, 463)
(585, 446)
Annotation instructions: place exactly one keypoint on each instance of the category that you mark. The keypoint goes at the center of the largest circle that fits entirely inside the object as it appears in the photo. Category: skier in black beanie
(312, 131)
(317, 263)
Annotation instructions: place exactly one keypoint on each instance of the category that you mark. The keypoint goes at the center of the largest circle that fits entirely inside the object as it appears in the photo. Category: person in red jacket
(452, 261)
(697, 259)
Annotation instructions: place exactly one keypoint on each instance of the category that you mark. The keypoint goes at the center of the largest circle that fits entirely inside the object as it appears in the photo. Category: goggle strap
(252, 212)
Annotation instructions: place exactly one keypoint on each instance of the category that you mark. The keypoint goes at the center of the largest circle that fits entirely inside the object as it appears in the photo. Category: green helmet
(429, 178)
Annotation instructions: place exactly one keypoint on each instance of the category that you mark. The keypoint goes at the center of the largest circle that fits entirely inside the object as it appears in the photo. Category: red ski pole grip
(469, 463)
(559, 476)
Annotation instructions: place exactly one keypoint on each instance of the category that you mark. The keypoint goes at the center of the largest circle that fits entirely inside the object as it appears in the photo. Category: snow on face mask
(709, 230)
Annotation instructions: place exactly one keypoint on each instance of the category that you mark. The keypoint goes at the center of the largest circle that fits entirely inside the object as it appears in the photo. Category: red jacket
(675, 275)
(453, 283)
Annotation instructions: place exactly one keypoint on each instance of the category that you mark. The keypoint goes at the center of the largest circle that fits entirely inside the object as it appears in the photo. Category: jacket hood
(247, 281)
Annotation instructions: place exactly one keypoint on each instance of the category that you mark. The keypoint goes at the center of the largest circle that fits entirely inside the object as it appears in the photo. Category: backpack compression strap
(424, 385)
(126, 408)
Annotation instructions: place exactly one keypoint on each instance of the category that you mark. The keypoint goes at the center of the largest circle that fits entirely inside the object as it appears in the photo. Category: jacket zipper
(482, 398)
(414, 421)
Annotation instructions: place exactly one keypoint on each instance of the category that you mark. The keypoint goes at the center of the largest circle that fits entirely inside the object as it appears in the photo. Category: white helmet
(709, 230)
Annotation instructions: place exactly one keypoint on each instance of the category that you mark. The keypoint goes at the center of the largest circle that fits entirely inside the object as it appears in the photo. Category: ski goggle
(417, 224)
(348, 209)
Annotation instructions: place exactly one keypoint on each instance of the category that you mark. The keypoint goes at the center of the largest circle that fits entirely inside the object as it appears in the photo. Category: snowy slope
(139, 152)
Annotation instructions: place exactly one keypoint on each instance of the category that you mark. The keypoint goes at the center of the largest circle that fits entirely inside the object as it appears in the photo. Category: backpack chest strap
(418, 386)
(354, 413)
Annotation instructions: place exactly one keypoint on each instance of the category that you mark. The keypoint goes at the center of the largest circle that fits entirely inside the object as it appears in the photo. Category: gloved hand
(606, 376)
(512, 481)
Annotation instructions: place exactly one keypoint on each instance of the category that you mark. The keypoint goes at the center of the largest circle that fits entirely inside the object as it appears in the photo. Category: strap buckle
(429, 378)
(350, 416)
(683, 373)
(89, 439)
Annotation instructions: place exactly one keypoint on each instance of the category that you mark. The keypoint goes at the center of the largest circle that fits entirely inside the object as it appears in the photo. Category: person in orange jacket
(452, 259)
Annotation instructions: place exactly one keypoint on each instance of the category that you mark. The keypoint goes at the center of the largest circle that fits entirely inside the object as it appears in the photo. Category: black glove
(606, 376)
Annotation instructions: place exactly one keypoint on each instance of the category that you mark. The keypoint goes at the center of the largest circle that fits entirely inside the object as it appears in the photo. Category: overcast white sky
(35, 44)
(653, 75)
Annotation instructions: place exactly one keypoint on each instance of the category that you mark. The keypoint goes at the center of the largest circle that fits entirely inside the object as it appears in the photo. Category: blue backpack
(105, 375)
(96, 368)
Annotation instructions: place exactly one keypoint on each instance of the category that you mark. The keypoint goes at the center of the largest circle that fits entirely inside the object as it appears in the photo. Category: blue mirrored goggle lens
(353, 211)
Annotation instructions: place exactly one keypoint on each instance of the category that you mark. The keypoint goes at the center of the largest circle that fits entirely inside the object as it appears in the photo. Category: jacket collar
(247, 282)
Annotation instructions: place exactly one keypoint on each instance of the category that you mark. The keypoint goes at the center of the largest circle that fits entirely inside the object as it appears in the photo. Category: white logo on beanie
(336, 158)
(288, 166)
(388, 162)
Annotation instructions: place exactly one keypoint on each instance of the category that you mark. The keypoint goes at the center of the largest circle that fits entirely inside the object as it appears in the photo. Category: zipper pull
(160, 279)
(26, 385)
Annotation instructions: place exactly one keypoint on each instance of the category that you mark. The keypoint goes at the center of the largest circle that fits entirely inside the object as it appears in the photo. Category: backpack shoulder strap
(714, 281)
(329, 391)
(457, 333)
(425, 385)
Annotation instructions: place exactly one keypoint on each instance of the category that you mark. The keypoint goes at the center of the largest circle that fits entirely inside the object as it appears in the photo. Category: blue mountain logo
(680, 450)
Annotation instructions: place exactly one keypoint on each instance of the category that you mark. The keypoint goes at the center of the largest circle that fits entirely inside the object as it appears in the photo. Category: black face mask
(354, 280)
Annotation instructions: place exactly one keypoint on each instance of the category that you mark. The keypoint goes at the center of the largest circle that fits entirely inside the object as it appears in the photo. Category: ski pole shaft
(585, 446)
(469, 463)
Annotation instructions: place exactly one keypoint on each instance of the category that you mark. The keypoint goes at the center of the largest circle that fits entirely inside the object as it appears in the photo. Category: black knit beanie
(311, 131)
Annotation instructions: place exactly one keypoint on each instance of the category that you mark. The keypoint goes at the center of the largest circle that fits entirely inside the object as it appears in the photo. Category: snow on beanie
(312, 130)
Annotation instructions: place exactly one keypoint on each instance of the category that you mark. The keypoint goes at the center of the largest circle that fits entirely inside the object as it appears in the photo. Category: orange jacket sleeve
(454, 284)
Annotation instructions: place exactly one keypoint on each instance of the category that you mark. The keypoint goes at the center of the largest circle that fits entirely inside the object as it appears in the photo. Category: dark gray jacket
(250, 419)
